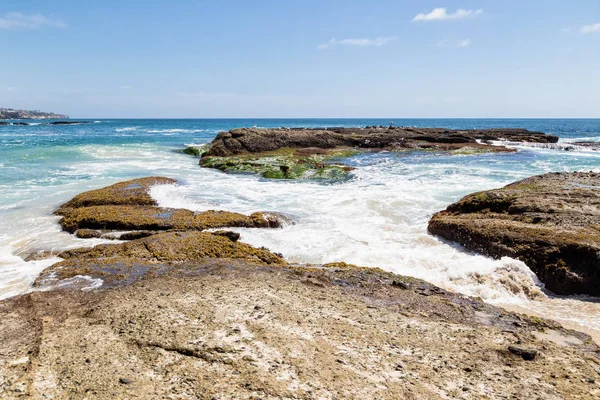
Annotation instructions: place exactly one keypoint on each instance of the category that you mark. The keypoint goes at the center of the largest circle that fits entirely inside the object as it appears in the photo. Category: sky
(300, 59)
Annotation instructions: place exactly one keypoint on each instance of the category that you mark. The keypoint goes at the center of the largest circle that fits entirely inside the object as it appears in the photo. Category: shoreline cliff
(9, 113)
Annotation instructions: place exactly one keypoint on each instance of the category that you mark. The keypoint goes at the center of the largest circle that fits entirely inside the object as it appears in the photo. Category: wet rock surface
(551, 222)
(129, 206)
(233, 329)
(121, 264)
(315, 153)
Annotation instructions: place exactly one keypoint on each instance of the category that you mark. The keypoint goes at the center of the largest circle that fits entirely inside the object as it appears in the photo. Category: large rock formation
(551, 222)
(252, 140)
(308, 153)
(229, 329)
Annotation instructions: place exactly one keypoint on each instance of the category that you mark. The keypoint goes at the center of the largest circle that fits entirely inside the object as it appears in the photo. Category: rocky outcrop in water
(315, 153)
(129, 206)
(252, 140)
(551, 222)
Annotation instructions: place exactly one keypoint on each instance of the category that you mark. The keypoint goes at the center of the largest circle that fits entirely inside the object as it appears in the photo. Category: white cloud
(441, 14)
(377, 42)
(125, 87)
(590, 28)
(454, 43)
(17, 20)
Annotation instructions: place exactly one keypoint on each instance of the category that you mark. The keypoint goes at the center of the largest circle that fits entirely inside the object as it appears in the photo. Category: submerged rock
(307, 153)
(69, 122)
(551, 222)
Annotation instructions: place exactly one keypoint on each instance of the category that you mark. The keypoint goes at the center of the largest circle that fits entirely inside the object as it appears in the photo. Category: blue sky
(304, 58)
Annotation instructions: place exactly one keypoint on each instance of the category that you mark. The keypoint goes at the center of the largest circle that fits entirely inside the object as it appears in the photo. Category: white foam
(378, 218)
(127, 129)
(564, 146)
(82, 282)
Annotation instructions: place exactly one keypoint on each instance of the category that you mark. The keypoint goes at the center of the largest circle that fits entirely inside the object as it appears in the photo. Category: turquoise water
(377, 218)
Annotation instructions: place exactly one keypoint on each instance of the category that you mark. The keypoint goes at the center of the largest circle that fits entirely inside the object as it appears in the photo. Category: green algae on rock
(551, 222)
(307, 163)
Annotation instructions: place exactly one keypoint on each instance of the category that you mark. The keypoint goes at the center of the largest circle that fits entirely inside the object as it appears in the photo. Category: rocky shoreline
(10, 113)
(295, 153)
(179, 307)
(185, 309)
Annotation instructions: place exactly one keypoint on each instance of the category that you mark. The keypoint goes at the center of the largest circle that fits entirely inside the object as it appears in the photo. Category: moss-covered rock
(153, 254)
(192, 151)
(197, 150)
(128, 206)
(287, 163)
(133, 192)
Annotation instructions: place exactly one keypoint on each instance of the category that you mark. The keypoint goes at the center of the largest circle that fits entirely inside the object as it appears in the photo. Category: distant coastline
(9, 113)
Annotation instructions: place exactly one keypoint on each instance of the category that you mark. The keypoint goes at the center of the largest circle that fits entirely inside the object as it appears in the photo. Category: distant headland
(9, 113)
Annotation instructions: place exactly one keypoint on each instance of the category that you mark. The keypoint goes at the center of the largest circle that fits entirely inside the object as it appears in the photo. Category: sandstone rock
(232, 329)
(551, 222)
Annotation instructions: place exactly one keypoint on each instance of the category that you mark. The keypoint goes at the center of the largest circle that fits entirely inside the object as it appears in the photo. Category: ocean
(377, 218)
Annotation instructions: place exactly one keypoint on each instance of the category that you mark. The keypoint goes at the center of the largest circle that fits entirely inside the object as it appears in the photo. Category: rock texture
(307, 153)
(118, 264)
(551, 222)
(224, 329)
(129, 206)
(252, 140)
